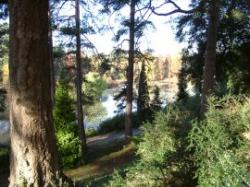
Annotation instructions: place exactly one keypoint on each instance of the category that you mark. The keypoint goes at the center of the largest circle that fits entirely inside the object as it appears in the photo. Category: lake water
(108, 103)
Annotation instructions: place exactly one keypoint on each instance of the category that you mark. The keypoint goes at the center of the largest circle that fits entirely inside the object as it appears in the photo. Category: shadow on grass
(4, 166)
(97, 173)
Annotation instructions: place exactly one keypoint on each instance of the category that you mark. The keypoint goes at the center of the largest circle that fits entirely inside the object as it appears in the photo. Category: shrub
(217, 142)
(157, 150)
(213, 153)
(117, 123)
(66, 130)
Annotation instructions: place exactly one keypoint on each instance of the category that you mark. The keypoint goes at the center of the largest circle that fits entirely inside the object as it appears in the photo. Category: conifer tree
(132, 26)
(68, 141)
(143, 94)
(79, 76)
(156, 102)
(34, 160)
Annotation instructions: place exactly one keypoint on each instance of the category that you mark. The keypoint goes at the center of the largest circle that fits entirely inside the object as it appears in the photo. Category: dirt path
(106, 140)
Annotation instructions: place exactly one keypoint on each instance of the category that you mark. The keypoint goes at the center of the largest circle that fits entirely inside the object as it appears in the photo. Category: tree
(66, 128)
(143, 94)
(210, 54)
(79, 76)
(211, 41)
(130, 70)
(232, 46)
(52, 67)
(4, 53)
(34, 159)
(156, 102)
(133, 26)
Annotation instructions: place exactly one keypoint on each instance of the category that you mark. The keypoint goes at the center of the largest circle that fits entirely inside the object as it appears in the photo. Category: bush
(214, 152)
(217, 143)
(68, 147)
(157, 150)
(117, 123)
(68, 142)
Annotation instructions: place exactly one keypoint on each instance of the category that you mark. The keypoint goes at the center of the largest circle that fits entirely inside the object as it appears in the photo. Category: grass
(4, 166)
(4, 158)
(98, 171)
(102, 160)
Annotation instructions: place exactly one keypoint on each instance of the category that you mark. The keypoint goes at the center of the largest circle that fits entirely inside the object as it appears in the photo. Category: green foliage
(4, 58)
(157, 149)
(232, 72)
(4, 41)
(94, 86)
(217, 141)
(63, 110)
(95, 112)
(68, 146)
(156, 102)
(215, 151)
(143, 94)
(66, 130)
(117, 123)
(153, 135)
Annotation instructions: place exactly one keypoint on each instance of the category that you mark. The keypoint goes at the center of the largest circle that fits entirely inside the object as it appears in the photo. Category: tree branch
(177, 9)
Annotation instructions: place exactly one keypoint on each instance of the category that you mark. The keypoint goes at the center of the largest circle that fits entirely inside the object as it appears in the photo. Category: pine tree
(210, 54)
(156, 102)
(132, 26)
(79, 75)
(34, 160)
(143, 94)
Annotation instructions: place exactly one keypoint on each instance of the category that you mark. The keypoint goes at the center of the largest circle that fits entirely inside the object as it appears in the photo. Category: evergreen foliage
(232, 64)
(66, 129)
(215, 151)
(220, 152)
(157, 149)
(156, 102)
(143, 94)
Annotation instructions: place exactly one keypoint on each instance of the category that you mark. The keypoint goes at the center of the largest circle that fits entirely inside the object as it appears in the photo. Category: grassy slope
(98, 171)
(4, 166)
(102, 161)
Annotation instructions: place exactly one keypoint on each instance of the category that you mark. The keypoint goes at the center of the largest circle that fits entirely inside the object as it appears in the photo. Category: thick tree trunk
(210, 55)
(33, 147)
(130, 76)
(51, 59)
(79, 75)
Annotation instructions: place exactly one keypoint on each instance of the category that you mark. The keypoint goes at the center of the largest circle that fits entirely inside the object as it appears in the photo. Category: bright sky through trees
(161, 39)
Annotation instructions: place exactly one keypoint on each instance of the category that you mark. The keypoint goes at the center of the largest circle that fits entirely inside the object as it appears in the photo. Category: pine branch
(177, 9)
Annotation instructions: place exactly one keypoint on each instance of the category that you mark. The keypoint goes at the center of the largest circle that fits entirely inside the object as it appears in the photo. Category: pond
(108, 103)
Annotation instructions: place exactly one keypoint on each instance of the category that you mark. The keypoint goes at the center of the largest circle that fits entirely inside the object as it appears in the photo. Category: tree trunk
(52, 67)
(33, 147)
(128, 118)
(210, 55)
(80, 118)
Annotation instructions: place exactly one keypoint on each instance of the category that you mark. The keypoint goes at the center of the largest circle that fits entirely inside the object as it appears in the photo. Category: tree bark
(130, 69)
(52, 67)
(210, 54)
(33, 147)
(79, 75)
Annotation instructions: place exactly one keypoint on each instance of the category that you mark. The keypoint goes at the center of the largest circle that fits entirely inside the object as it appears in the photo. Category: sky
(161, 39)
